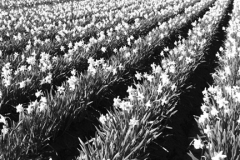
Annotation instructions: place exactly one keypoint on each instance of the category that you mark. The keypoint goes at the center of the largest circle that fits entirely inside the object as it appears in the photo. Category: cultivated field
(120, 80)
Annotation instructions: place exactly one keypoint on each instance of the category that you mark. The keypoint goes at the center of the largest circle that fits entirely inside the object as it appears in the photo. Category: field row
(220, 119)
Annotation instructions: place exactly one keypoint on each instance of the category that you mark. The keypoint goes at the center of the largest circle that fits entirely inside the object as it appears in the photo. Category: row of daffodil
(30, 76)
(118, 137)
(16, 24)
(221, 117)
(101, 43)
(101, 28)
(50, 114)
(9, 4)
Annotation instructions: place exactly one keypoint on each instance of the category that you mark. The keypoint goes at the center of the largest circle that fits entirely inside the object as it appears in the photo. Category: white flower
(62, 48)
(165, 79)
(150, 78)
(133, 122)
(120, 67)
(22, 68)
(4, 130)
(212, 89)
(226, 110)
(197, 144)
(43, 100)
(116, 102)
(70, 45)
(155, 68)
(109, 68)
(204, 107)
(222, 102)
(238, 34)
(172, 69)
(92, 70)
(131, 97)
(72, 82)
(148, 104)
(60, 89)
(159, 88)
(135, 50)
(45, 63)
(38, 93)
(164, 100)
(207, 131)
(23, 57)
(173, 87)
(103, 49)
(126, 106)
(127, 54)
(227, 70)
(31, 60)
(130, 90)
(138, 76)
(73, 72)
(6, 74)
(238, 121)
(115, 50)
(3, 120)
(42, 106)
(19, 108)
(140, 96)
(7, 81)
(29, 68)
(203, 117)
(47, 79)
(228, 89)
(214, 111)
(188, 60)
(218, 156)
(22, 84)
(237, 96)
(32, 106)
(209, 146)
(102, 119)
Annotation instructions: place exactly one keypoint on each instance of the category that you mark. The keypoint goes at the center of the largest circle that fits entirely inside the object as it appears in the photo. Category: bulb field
(120, 80)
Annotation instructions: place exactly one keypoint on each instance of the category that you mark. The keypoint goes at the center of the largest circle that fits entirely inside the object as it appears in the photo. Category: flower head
(133, 122)
(214, 111)
(3, 119)
(138, 76)
(116, 102)
(218, 156)
(148, 104)
(197, 143)
(38, 93)
(60, 89)
(203, 117)
(4, 130)
(19, 108)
